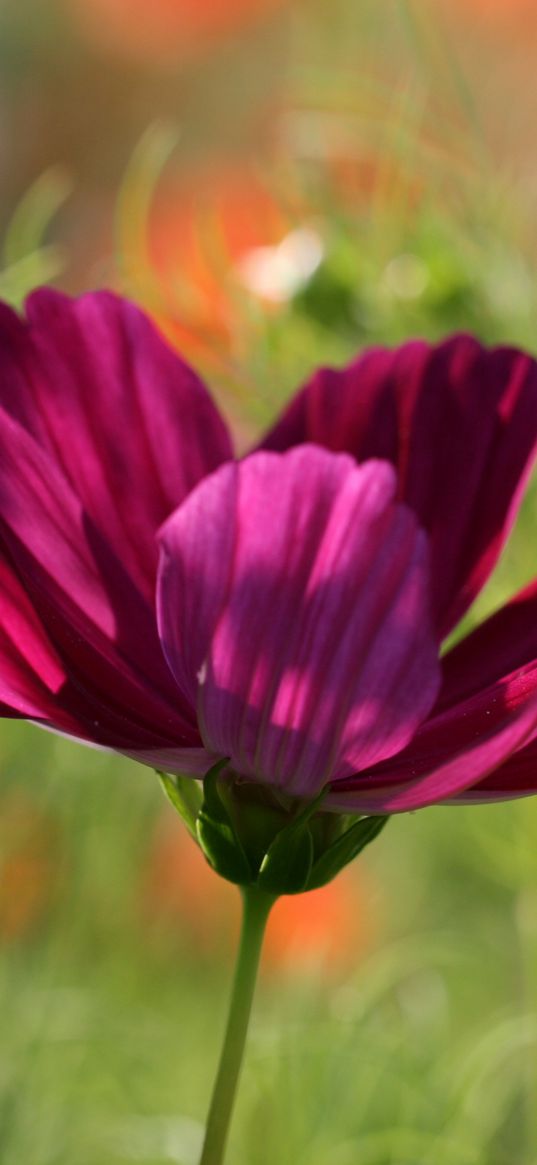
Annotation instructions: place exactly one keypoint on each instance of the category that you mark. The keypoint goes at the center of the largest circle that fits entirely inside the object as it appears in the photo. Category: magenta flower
(302, 593)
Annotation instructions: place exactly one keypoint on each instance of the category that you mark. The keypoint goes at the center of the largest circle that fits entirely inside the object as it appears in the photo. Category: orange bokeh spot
(501, 9)
(212, 268)
(517, 18)
(197, 235)
(29, 867)
(153, 30)
(181, 894)
(330, 928)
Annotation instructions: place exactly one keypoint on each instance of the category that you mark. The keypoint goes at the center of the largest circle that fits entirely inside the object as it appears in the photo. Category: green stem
(256, 909)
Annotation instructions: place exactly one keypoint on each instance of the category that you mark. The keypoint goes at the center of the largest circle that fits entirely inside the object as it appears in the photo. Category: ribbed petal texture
(293, 610)
(130, 425)
(449, 755)
(479, 742)
(103, 430)
(302, 592)
(458, 421)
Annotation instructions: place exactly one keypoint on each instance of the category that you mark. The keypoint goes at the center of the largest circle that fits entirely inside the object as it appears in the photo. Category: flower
(302, 592)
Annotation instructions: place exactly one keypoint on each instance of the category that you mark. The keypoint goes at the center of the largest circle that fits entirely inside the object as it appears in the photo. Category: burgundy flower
(302, 593)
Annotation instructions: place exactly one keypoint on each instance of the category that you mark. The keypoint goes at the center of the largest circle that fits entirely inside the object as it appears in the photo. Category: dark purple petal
(129, 423)
(502, 645)
(460, 425)
(502, 649)
(293, 610)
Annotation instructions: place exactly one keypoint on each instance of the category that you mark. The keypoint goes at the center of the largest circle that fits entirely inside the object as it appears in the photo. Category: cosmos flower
(302, 593)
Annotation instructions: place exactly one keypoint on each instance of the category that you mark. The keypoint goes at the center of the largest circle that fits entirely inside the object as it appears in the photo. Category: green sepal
(286, 867)
(185, 796)
(344, 850)
(217, 835)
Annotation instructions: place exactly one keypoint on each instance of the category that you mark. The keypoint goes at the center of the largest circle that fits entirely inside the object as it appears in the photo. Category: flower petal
(35, 684)
(91, 623)
(31, 674)
(293, 611)
(453, 751)
(459, 422)
(491, 745)
(517, 777)
(503, 648)
(186, 762)
(503, 644)
(131, 426)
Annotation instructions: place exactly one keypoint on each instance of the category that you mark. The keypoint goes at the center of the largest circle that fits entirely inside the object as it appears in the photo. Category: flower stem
(256, 909)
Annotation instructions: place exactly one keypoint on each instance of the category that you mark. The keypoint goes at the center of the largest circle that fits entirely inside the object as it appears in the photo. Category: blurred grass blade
(134, 204)
(32, 217)
(41, 266)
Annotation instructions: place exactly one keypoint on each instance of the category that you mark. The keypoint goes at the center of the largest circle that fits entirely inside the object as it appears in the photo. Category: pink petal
(460, 425)
(293, 611)
(31, 673)
(90, 624)
(35, 684)
(453, 751)
(128, 422)
(442, 784)
(487, 703)
(187, 762)
(516, 777)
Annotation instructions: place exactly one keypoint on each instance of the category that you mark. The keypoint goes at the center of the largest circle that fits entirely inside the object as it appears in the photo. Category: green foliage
(345, 849)
(217, 833)
(249, 838)
(185, 796)
(287, 864)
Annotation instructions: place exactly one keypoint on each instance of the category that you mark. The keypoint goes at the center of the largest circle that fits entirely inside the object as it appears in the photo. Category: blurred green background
(280, 182)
